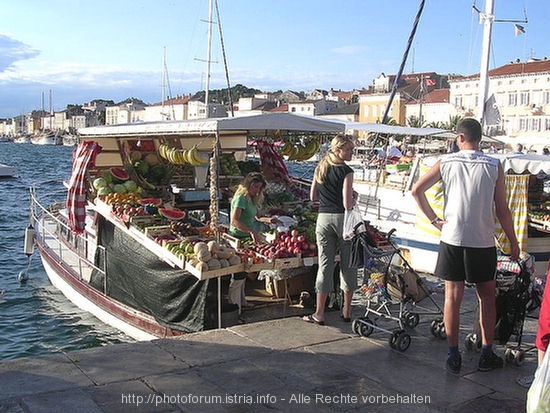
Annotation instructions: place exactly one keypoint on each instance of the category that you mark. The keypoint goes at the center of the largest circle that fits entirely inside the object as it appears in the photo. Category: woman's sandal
(311, 319)
(345, 319)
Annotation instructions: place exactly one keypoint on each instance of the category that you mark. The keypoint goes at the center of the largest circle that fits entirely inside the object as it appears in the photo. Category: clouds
(13, 51)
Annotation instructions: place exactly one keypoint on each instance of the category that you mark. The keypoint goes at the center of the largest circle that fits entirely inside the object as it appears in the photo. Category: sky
(114, 49)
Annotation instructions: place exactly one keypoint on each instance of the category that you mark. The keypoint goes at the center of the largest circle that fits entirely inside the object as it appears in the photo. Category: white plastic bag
(538, 396)
(353, 224)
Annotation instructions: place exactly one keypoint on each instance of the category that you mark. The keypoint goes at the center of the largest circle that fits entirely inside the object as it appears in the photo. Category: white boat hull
(393, 208)
(70, 273)
(86, 304)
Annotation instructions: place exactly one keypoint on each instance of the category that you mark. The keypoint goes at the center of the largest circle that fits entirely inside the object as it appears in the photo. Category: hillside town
(519, 104)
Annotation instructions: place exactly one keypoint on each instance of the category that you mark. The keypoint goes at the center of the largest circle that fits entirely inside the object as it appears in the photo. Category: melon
(151, 201)
(99, 183)
(119, 174)
(130, 185)
(152, 159)
(175, 214)
(104, 191)
(120, 189)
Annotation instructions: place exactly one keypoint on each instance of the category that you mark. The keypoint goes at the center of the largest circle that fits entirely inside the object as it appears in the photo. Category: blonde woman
(333, 187)
(245, 212)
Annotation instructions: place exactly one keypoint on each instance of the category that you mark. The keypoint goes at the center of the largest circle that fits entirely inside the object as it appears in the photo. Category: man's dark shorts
(474, 265)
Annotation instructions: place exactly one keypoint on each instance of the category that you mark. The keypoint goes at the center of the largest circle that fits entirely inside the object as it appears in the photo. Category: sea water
(35, 318)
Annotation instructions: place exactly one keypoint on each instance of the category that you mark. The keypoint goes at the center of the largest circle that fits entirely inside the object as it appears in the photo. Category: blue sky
(113, 49)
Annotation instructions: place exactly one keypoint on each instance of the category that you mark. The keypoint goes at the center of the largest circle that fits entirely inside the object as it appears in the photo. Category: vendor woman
(245, 219)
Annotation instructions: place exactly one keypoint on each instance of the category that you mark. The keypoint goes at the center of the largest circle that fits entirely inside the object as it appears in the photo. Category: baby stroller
(389, 282)
(515, 297)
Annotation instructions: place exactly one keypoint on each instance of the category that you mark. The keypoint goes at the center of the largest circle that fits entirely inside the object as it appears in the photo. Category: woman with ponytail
(333, 187)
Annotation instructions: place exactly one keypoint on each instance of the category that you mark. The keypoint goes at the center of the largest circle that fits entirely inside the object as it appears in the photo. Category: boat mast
(163, 81)
(401, 67)
(487, 19)
(209, 52)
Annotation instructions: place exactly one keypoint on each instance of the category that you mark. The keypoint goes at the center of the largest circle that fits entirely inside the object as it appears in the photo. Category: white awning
(516, 163)
(519, 163)
(271, 121)
(391, 129)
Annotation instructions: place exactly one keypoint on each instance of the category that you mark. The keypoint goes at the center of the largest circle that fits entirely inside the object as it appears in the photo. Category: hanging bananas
(300, 152)
(182, 156)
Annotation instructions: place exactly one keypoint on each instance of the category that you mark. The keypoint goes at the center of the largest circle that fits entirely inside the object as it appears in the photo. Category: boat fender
(29, 240)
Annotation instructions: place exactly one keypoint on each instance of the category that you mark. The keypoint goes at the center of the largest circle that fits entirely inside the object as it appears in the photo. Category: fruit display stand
(205, 275)
(150, 237)
(134, 232)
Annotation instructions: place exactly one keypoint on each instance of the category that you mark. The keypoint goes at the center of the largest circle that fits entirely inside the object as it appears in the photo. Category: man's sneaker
(454, 364)
(491, 362)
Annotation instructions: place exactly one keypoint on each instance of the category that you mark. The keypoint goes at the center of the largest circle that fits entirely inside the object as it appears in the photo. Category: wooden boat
(112, 267)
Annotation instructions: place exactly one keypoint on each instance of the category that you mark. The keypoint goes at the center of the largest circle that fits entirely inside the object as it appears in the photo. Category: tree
(414, 122)
(453, 121)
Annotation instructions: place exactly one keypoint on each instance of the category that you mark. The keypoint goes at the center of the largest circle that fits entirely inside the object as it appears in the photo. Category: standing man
(473, 184)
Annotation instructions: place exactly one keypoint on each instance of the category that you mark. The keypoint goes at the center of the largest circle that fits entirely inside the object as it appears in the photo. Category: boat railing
(51, 228)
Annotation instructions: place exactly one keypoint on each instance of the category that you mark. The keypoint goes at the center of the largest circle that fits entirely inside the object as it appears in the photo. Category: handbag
(353, 224)
(538, 396)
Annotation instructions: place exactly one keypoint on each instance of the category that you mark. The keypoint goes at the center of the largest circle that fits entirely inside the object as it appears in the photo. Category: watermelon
(151, 201)
(175, 214)
(119, 174)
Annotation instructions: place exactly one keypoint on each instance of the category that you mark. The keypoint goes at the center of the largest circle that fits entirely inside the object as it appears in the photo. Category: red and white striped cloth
(83, 158)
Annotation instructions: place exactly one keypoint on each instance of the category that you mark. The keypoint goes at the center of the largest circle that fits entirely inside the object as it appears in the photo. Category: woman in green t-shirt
(245, 215)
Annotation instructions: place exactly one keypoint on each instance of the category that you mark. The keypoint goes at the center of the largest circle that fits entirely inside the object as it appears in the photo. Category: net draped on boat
(137, 278)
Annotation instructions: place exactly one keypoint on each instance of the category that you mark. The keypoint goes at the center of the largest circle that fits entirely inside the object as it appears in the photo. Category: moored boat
(46, 138)
(386, 201)
(7, 171)
(121, 264)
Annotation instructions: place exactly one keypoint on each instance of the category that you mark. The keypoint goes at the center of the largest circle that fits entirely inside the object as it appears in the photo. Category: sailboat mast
(163, 81)
(209, 53)
(487, 19)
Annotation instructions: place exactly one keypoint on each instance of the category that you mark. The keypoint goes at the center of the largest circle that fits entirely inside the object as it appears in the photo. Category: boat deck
(77, 264)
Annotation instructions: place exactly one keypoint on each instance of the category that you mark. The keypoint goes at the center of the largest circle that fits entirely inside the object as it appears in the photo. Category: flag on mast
(491, 113)
(518, 29)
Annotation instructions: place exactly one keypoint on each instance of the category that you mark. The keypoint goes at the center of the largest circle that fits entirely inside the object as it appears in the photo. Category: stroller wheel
(519, 357)
(437, 328)
(393, 339)
(412, 320)
(509, 356)
(366, 330)
(403, 341)
(356, 324)
(472, 342)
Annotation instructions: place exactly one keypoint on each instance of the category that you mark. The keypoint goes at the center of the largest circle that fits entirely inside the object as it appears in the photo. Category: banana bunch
(181, 156)
(300, 152)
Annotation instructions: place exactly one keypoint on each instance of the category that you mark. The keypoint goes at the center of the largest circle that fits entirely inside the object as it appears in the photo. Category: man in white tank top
(474, 187)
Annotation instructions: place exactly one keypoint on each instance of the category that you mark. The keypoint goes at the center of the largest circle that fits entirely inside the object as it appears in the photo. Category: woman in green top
(246, 205)
(245, 214)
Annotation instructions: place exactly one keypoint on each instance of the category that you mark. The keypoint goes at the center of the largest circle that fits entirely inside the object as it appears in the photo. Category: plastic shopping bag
(353, 224)
(538, 397)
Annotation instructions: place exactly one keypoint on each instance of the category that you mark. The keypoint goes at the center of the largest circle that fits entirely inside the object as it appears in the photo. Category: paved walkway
(282, 365)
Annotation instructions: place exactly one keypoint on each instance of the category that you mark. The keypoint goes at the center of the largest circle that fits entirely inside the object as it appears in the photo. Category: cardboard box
(295, 285)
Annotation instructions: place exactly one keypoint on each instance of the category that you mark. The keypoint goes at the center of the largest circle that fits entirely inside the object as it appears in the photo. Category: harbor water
(35, 318)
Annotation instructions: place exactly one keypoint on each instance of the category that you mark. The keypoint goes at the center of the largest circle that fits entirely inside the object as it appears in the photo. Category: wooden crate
(285, 263)
(205, 275)
(267, 264)
(294, 285)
